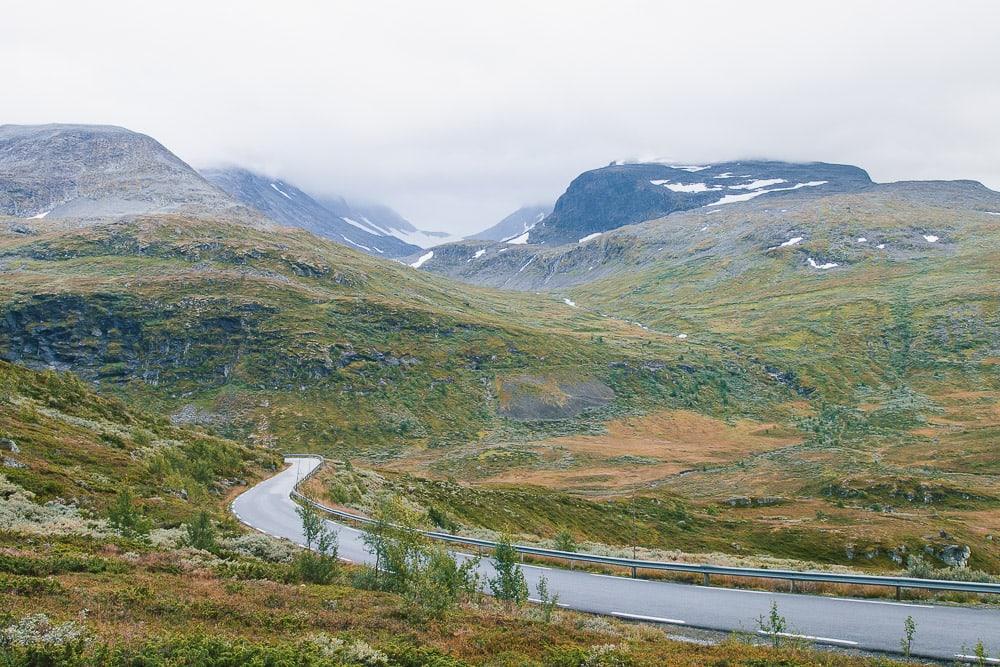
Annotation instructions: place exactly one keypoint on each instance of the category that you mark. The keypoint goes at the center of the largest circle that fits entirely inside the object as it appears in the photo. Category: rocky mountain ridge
(95, 171)
(333, 218)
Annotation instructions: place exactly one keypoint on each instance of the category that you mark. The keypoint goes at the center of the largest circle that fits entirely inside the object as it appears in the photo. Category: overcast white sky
(456, 113)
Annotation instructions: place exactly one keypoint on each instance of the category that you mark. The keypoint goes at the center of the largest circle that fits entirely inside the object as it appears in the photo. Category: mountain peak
(626, 193)
(84, 171)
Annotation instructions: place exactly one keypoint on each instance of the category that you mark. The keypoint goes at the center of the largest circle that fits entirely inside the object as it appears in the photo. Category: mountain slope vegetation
(808, 373)
(319, 345)
(80, 587)
(879, 308)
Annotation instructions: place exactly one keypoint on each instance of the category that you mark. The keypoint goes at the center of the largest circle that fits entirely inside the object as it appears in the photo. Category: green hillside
(797, 412)
(303, 344)
(79, 587)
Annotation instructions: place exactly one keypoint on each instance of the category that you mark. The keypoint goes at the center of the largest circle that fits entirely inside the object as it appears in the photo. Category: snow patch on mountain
(353, 243)
(828, 265)
(570, 303)
(686, 187)
(422, 238)
(729, 199)
(589, 237)
(790, 242)
(422, 260)
(758, 184)
(519, 240)
(930, 238)
(280, 191)
(364, 228)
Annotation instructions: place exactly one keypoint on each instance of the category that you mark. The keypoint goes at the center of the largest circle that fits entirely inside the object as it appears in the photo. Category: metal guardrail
(707, 571)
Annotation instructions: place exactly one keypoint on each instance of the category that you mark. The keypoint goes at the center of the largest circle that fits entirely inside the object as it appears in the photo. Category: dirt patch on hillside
(534, 398)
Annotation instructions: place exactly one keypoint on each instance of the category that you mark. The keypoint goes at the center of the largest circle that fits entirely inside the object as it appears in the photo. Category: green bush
(28, 586)
(126, 518)
(564, 541)
(427, 575)
(604, 655)
(442, 520)
(34, 566)
(201, 532)
(251, 570)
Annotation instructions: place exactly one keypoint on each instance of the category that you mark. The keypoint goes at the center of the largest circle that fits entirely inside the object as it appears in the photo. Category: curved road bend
(943, 632)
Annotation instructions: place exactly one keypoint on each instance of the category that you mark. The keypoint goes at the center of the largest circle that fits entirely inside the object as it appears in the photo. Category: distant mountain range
(618, 219)
(93, 172)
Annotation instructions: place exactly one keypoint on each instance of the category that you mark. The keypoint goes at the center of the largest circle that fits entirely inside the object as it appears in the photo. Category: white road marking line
(737, 590)
(612, 576)
(895, 604)
(824, 640)
(538, 567)
(537, 601)
(975, 658)
(654, 619)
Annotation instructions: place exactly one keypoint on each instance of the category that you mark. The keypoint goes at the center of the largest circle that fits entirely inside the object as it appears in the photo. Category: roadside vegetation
(114, 574)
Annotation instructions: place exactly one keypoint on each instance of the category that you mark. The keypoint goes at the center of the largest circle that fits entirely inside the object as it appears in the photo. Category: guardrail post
(899, 592)
(635, 575)
(705, 580)
(792, 585)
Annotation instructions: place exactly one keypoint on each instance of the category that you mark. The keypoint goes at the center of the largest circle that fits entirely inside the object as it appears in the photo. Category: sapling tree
(509, 584)
(564, 541)
(547, 601)
(201, 532)
(126, 518)
(427, 575)
(773, 625)
(318, 563)
(909, 631)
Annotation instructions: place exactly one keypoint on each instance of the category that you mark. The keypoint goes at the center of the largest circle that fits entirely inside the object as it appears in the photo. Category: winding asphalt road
(943, 632)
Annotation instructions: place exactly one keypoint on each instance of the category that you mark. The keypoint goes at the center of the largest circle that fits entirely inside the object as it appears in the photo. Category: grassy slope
(898, 348)
(78, 447)
(297, 338)
(177, 605)
(310, 346)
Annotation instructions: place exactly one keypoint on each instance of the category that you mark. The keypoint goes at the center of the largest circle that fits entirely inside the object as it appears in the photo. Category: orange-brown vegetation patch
(638, 450)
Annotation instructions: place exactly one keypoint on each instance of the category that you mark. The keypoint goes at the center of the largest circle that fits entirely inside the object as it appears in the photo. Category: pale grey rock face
(96, 171)
(955, 555)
